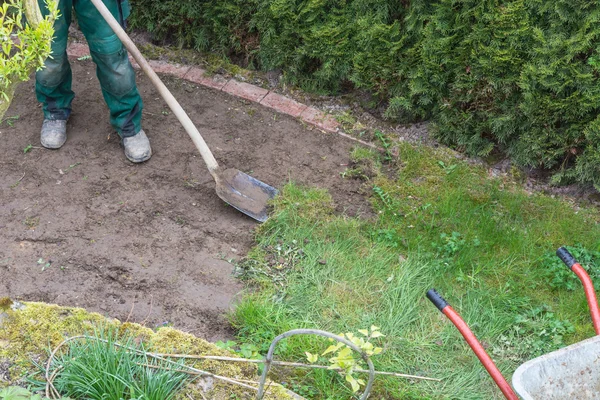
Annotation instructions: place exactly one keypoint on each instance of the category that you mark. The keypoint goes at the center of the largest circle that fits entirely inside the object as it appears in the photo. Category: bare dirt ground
(81, 226)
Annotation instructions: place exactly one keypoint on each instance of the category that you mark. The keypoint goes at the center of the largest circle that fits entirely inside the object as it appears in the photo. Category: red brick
(245, 90)
(320, 119)
(77, 50)
(163, 67)
(197, 75)
(283, 104)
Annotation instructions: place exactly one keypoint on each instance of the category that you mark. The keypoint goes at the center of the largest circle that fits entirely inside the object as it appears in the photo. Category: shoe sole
(52, 147)
(139, 160)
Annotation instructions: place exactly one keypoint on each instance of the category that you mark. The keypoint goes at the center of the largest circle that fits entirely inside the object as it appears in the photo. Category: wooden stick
(293, 364)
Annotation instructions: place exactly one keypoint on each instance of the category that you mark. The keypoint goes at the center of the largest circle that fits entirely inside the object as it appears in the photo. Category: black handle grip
(566, 257)
(436, 299)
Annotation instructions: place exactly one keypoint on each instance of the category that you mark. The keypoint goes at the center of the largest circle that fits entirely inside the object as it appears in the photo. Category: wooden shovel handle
(173, 104)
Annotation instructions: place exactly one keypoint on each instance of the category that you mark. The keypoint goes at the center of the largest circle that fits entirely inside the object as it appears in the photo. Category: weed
(246, 350)
(347, 119)
(27, 149)
(448, 169)
(45, 264)
(386, 144)
(31, 222)
(191, 183)
(19, 393)
(449, 245)
(387, 236)
(10, 121)
(275, 263)
(385, 198)
(533, 333)
(561, 277)
(71, 167)
(365, 164)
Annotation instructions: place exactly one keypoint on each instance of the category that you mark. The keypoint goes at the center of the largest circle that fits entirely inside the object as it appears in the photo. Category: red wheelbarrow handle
(478, 349)
(588, 285)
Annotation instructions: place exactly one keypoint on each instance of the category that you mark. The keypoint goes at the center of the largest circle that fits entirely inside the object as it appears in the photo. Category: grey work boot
(54, 133)
(137, 147)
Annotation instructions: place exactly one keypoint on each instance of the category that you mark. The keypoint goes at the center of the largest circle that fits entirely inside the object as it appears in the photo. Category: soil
(149, 243)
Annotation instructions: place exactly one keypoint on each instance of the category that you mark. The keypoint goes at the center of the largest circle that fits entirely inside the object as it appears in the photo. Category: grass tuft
(96, 368)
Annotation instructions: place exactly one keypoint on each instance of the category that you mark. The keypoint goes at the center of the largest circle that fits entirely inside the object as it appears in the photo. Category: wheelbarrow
(572, 372)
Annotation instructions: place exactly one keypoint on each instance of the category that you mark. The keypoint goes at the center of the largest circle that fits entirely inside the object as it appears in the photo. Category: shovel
(239, 190)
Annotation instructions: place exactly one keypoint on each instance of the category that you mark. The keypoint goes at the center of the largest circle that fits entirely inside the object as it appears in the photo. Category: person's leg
(53, 82)
(116, 75)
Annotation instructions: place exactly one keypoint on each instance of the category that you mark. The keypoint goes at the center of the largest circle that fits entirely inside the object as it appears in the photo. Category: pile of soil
(150, 243)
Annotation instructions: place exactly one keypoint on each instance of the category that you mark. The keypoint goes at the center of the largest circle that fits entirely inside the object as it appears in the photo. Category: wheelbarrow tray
(572, 372)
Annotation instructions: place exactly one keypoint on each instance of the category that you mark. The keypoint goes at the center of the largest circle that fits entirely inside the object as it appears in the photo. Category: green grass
(483, 242)
(95, 368)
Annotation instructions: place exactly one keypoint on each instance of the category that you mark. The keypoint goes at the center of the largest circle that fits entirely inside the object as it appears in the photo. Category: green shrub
(221, 26)
(521, 76)
(30, 48)
(516, 74)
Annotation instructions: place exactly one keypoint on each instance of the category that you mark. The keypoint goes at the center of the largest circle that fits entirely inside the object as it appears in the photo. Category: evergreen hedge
(518, 75)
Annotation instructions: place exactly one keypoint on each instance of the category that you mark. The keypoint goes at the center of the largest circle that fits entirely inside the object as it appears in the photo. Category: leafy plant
(19, 393)
(533, 333)
(246, 350)
(448, 169)
(30, 47)
(387, 145)
(561, 277)
(344, 358)
(15, 393)
(10, 121)
(385, 198)
(449, 245)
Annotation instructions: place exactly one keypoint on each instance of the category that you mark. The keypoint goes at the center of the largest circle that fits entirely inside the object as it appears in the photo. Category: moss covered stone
(28, 333)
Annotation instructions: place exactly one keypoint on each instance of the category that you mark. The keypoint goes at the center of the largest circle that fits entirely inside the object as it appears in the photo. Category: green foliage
(98, 369)
(522, 76)
(31, 45)
(246, 350)
(222, 26)
(561, 277)
(344, 357)
(19, 393)
(534, 332)
(483, 243)
(516, 74)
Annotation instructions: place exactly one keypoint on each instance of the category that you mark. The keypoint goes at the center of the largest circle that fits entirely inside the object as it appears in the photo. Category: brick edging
(247, 91)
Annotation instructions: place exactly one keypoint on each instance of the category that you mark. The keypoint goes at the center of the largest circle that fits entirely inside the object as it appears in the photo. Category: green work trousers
(114, 71)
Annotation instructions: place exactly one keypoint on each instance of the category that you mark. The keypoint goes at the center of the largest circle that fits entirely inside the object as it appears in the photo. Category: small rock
(322, 262)
(206, 384)
(17, 305)
(3, 317)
